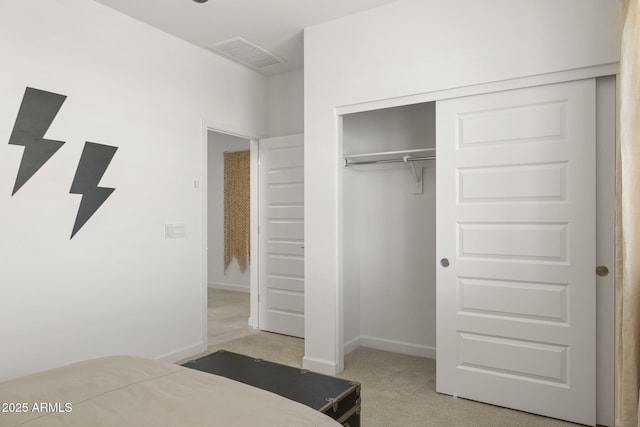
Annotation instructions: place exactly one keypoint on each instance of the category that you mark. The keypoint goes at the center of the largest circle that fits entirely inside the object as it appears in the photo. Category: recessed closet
(491, 256)
(389, 228)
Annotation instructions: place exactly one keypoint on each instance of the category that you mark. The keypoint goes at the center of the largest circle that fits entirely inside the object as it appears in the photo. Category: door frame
(603, 70)
(207, 126)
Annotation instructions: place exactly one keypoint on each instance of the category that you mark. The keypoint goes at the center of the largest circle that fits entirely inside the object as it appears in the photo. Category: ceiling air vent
(245, 52)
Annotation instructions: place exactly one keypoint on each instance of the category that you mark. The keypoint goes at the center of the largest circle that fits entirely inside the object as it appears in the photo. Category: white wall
(232, 278)
(284, 113)
(389, 234)
(119, 287)
(412, 47)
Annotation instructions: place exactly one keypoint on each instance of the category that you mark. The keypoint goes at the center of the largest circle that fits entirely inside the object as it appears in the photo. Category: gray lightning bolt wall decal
(37, 111)
(93, 163)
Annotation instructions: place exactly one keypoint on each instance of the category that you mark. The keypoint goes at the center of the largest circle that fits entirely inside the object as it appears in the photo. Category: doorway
(228, 275)
(280, 210)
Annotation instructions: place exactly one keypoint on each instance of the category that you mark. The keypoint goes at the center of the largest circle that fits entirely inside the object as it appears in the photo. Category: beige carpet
(228, 316)
(397, 390)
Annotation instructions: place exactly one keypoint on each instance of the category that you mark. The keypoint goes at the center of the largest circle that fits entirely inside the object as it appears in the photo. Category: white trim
(339, 314)
(489, 87)
(400, 347)
(230, 130)
(230, 287)
(393, 346)
(255, 239)
(205, 248)
(183, 353)
(351, 345)
(326, 367)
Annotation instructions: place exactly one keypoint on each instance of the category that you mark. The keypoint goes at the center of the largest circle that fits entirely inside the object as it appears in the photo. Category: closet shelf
(408, 157)
(404, 156)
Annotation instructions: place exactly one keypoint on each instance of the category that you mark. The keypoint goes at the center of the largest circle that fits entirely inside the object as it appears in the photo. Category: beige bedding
(130, 391)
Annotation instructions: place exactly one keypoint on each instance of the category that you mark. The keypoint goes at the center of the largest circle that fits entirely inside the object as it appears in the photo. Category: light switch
(174, 231)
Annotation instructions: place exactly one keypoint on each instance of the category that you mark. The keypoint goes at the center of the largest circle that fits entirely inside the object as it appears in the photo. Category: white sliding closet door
(281, 235)
(516, 223)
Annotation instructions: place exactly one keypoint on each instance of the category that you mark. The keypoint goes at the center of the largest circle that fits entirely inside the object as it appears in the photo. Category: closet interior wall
(389, 265)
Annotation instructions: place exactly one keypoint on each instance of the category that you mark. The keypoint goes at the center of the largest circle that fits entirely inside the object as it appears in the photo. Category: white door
(281, 235)
(516, 223)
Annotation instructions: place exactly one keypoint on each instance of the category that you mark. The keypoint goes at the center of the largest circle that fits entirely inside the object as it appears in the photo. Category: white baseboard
(229, 287)
(400, 347)
(251, 323)
(320, 366)
(183, 353)
(351, 345)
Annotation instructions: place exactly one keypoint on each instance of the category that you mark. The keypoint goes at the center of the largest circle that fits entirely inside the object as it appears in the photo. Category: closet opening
(389, 230)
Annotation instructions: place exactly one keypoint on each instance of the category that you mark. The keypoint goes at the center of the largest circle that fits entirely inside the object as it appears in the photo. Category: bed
(124, 391)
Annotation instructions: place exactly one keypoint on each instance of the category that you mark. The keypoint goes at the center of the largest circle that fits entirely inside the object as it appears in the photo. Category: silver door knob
(444, 262)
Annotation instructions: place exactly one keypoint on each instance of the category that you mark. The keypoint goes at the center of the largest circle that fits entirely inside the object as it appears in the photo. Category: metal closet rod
(371, 162)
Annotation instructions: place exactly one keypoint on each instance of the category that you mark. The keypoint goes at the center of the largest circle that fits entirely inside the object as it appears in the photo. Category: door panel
(513, 300)
(289, 228)
(523, 183)
(516, 221)
(281, 236)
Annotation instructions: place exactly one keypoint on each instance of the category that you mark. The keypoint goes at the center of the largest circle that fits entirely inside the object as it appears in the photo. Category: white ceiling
(274, 25)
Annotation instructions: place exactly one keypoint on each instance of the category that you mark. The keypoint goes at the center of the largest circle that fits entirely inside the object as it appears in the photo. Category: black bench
(335, 397)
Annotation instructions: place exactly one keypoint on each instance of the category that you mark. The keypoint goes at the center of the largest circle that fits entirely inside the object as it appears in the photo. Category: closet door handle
(602, 271)
(444, 262)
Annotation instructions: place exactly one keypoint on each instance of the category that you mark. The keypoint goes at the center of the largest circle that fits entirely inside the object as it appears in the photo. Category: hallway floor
(228, 316)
